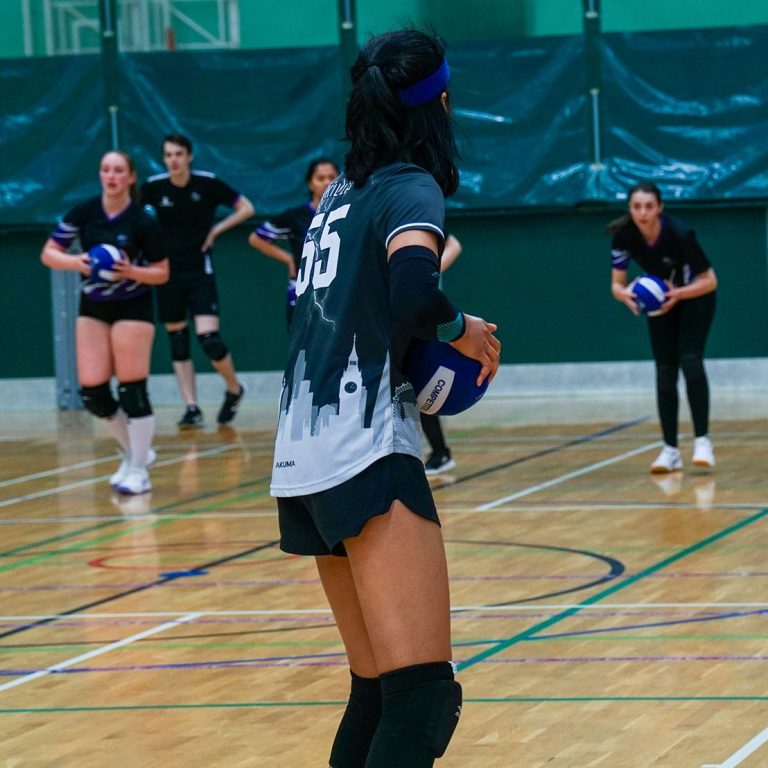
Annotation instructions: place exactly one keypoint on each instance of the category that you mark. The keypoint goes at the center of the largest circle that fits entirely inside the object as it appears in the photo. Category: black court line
(615, 569)
(143, 587)
(164, 580)
(544, 452)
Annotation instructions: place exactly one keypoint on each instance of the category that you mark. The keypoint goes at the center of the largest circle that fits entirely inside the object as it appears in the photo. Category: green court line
(596, 598)
(340, 703)
(171, 645)
(120, 521)
(38, 559)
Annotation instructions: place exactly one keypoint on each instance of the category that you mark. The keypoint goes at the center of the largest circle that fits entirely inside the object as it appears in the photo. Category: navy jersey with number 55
(345, 402)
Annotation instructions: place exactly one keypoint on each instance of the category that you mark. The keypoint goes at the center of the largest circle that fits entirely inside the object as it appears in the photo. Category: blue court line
(629, 581)
(340, 703)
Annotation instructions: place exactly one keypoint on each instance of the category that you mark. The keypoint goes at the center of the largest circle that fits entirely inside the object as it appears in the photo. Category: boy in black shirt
(185, 202)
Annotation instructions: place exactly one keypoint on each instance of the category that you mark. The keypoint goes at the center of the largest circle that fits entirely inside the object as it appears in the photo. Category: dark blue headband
(425, 90)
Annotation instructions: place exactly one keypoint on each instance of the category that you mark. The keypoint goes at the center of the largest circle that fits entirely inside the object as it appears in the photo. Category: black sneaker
(229, 406)
(192, 418)
(439, 462)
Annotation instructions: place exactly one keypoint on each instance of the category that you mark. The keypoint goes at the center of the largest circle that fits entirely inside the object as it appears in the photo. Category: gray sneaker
(192, 418)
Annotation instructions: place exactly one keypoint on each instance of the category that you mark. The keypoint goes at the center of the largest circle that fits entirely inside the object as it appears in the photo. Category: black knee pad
(180, 347)
(134, 399)
(428, 712)
(666, 376)
(212, 345)
(693, 367)
(98, 400)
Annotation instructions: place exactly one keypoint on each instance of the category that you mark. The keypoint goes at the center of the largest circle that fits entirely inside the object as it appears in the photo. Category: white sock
(117, 426)
(141, 432)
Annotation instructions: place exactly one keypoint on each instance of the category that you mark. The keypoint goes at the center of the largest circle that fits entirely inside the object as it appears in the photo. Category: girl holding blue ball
(115, 329)
(665, 247)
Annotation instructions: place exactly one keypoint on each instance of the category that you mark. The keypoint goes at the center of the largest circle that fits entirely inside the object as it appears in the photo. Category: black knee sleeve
(180, 348)
(358, 724)
(134, 399)
(98, 400)
(421, 709)
(212, 345)
(693, 367)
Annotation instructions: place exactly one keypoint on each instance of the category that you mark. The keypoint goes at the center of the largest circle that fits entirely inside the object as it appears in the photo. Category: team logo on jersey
(166, 202)
(195, 197)
(122, 241)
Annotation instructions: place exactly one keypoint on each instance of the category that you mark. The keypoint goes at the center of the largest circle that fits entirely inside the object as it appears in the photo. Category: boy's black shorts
(318, 523)
(187, 293)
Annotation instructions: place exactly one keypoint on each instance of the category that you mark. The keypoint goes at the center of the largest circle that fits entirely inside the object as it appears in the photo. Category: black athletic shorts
(187, 293)
(319, 523)
(139, 308)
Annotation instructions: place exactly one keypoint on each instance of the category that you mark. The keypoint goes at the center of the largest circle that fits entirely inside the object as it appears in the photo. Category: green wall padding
(542, 277)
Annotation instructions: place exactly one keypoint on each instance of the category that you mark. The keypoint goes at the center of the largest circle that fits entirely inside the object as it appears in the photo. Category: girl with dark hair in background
(667, 248)
(347, 469)
(292, 225)
(115, 326)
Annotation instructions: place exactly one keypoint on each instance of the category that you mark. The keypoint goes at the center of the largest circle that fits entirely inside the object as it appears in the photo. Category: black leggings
(430, 423)
(678, 339)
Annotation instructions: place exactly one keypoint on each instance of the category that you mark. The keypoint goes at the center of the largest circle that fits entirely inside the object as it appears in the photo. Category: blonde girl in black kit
(115, 327)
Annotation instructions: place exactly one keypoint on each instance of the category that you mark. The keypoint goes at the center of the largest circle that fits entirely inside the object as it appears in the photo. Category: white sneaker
(125, 468)
(136, 481)
(703, 455)
(669, 460)
(122, 471)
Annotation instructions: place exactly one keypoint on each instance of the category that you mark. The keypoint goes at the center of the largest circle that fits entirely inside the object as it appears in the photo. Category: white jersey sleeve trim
(413, 225)
(159, 176)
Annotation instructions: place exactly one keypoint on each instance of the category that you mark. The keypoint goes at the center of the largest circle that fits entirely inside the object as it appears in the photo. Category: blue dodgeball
(443, 378)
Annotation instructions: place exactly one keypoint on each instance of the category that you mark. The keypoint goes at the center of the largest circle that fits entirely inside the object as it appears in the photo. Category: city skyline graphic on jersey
(302, 420)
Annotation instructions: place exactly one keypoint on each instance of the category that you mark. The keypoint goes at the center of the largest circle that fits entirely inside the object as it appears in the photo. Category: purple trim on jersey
(620, 259)
(65, 234)
(268, 231)
(102, 290)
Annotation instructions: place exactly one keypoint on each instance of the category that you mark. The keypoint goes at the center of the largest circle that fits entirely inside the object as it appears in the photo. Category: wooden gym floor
(602, 617)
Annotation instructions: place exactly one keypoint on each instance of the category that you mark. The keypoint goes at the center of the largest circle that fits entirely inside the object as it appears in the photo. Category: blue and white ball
(443, 378)
(650, 293)
(103, 258)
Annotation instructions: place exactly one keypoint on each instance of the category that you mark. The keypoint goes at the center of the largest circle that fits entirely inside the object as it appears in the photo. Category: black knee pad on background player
(421, 709)
(180, 347)
(98, 400)
(212, 345)
(134, 399)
